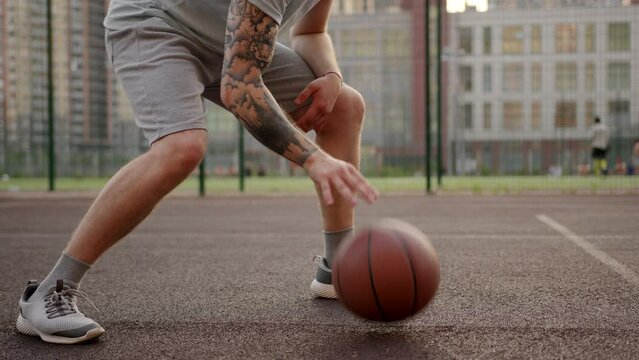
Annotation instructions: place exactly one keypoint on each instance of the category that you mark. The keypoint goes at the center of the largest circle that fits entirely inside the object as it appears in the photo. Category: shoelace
(62, 303)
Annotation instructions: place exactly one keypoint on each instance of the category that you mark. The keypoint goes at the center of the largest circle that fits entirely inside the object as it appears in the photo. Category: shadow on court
(228, 278)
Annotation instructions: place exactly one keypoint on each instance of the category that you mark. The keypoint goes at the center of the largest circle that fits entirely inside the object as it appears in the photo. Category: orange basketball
(386, 272)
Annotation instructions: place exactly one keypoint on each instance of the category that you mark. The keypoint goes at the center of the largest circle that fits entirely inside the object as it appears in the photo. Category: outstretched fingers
(325, 187)
(349, 185)
(344, 190)
(336, 178)
(362, 187)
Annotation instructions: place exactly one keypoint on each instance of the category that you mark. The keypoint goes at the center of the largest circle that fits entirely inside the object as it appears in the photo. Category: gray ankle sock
(332, 239)
(67, 268)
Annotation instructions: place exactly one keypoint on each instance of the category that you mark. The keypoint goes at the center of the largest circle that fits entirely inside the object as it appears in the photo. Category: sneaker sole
(325, 291)
(24, 327)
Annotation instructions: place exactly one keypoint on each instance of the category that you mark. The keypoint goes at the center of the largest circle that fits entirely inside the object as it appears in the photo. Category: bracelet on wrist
(341, 80)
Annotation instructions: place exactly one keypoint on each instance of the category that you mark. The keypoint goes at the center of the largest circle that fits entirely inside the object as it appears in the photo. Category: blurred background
(514, 88)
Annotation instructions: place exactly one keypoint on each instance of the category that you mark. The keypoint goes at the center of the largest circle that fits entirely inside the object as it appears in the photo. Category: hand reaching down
(331, 174)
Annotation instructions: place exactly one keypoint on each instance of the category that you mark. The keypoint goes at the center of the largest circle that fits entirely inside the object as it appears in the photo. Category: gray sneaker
(55, 318)
(322, 285)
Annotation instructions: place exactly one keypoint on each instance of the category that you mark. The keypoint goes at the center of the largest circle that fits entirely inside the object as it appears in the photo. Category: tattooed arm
(250, 42)
(249, 47)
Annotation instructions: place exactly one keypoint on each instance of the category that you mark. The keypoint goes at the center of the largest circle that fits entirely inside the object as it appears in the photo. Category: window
(511, 158)
(396, 43)
(466, 77)
(591, 80)
(619, 37)
(488, 40)
(535, 121)
(392, 6)
(394, 108)
(488, 116)
(513, 77)
(589, 113)
(618, 76)
(536, 77)
(566, 38)
(619, 112)
(364, 76)
(566, 76)
(367, 42)
(467, 116)
(466, 39)
(566, 114)
(353, 7)
(536, 39)
(513, 115)
(486, 158)
(487, 78)
(349, 41)
(513, 40)
(591, 39)
(359, 43)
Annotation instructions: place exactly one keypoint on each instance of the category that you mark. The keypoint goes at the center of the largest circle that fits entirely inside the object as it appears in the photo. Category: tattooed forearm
(250, 43)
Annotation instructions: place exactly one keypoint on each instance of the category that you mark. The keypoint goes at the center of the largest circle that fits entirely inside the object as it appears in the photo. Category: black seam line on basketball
(412, 268)
(370, 273)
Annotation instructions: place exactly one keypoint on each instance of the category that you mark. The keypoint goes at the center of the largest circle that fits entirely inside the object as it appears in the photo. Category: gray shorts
(166, 74)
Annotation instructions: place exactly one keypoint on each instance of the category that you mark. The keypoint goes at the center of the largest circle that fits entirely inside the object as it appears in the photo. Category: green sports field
(301, 185)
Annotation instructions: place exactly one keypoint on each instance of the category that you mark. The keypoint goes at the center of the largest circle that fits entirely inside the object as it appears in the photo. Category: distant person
(169, 55)
(599, 139)
(620, 166)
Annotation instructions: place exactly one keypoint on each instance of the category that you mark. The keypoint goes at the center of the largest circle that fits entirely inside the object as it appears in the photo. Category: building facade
(550, 4)
(527, 83)
(380, 45)
(23, 91)
(94, 128)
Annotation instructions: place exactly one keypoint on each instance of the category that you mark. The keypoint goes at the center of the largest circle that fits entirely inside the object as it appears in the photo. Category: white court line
(519, 236)
(589, 248)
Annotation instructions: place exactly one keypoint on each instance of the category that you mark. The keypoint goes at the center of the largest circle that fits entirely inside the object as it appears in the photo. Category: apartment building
(90, 114)
(527, 83)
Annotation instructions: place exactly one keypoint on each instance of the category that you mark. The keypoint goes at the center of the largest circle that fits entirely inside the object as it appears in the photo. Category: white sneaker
(322, 285)
(55, 317)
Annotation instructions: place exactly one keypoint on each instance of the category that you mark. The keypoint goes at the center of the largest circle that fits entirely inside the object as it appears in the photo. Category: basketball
(386, 272)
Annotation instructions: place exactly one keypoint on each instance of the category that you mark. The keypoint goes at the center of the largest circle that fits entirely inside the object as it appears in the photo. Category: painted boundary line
(589, 248)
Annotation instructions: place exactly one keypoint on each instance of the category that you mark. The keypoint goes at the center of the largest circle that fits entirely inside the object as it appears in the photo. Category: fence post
(241, 156)
(50, 110)
(427, 125)
(202, 177)
(440, 4)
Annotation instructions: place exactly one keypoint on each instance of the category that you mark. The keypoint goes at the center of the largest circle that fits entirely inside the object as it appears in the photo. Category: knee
(351, 104)
(182, 151)
(191, 154)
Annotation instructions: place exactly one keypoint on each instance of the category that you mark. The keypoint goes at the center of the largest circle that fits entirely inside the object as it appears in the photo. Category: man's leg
(133, 192)
(340, 136)
(124, 202)
(598, 166)
(287, 76)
